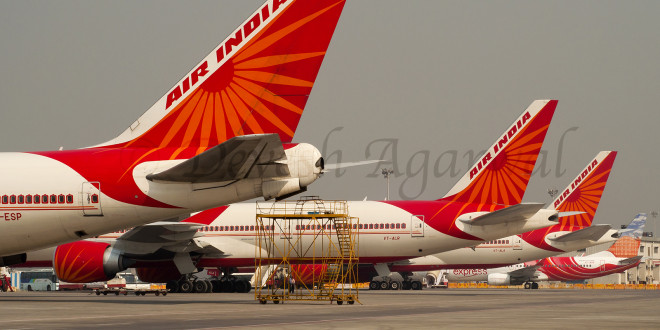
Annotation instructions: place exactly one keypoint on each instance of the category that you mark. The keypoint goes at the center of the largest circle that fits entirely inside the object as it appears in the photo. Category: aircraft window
(392, 226)
(60, 199)
(403, 226)
(5, 199)
(44, 199)
(95, 198)
(231, 228)
(355, 226)
(360, 226)
(267, 227)
(53, 199)
(12, 199)
(297, 227)
(307, 227)
(252, 228)
(28, 199)
(387, 226)
(226, 228)
(382, 226)
(217, 228)
(371, 226)
(69, 199)
(398, 226)
(507, 241)
(21, 199)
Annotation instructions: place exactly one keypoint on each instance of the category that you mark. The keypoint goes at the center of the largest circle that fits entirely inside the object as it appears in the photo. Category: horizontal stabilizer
(518, 212)
(592, 233)
(629, 261)
(570, 214)
(330, 167)
(249, 156)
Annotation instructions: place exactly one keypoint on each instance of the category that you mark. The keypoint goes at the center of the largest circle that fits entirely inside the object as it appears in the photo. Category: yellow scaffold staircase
(306, 250)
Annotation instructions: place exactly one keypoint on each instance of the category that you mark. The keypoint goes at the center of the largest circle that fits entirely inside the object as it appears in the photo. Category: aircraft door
(417, 226)
(517, 243)
(90, 199)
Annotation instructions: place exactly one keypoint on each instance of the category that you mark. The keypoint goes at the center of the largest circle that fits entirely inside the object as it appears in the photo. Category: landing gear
(531, 285)
(416, 285)
(199, 286)
(406, 285)
(185, 286)
(395, 285)
(172, 286)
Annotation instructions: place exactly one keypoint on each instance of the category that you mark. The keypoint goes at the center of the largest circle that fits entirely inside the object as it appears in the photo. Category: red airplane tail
(584, 192)
(256, 81)
(502, 174)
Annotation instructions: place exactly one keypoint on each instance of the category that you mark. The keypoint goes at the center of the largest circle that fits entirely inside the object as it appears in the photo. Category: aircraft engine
(499, 279)
(305, 165)
(84, 262)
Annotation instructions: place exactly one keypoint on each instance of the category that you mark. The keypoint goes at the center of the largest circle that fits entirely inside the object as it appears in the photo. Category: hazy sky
(434, 76)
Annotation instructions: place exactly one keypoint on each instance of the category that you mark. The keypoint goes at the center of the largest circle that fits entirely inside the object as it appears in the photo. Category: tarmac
(430, 308)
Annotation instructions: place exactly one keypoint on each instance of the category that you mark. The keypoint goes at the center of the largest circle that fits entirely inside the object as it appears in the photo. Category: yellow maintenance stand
(306, 250)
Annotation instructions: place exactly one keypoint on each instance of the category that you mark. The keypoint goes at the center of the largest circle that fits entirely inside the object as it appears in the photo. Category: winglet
(502, 174)
(584, 192)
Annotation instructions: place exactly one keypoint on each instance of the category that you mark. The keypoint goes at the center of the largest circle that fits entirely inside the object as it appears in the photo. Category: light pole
(654, 214)
(552, 192)
(387, 172)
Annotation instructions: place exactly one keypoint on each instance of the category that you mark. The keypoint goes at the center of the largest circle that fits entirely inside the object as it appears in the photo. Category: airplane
(222, 134)
(622, 255)
(578, 202)
(485, 204)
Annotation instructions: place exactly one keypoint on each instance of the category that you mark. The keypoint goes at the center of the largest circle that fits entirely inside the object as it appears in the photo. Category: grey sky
(436, 75)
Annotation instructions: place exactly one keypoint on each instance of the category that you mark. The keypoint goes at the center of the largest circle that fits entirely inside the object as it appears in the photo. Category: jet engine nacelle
(305, 166)
(84, 262)
(499, 279)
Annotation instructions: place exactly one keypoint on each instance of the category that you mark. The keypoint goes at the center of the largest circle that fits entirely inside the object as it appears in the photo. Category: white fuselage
(77, 207)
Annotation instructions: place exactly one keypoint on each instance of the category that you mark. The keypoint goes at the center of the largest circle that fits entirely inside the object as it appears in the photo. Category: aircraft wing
(518, 212)
(241, 157)
(592, 233)
(629, 261)
(150, 238)
(526, 272)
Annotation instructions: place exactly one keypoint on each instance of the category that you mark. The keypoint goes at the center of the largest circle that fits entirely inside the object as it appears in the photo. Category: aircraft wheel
(535, 286)
(527, 285)
(374, 285)
(199, 286)
(247, 287)
(394, 285)
(416, 285)
(172, 286)
(105, 293)
(116, 293)
(29, 287)
(406, 285)
(157, 293)
(216, 286)
(240, 286)
(209, 286)
(48, 288)
(185, 286)
(98, 293)
(384, 285)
